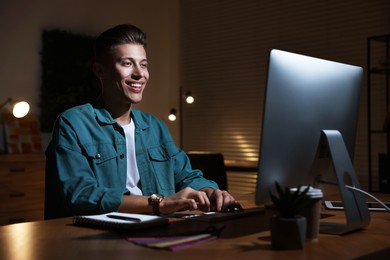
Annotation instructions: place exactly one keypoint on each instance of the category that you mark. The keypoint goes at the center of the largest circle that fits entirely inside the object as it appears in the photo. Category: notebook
(120, 220)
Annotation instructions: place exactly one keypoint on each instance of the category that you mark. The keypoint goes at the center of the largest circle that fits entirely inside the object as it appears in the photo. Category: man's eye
(126, 63)
(144, 65)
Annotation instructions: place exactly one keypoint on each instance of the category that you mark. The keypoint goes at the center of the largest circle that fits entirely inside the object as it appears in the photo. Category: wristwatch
(154, 200)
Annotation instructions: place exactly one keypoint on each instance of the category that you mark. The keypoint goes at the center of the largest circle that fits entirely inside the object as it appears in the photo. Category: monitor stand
(332, 146)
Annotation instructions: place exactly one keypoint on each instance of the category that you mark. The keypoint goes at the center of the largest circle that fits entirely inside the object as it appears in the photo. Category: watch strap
(154, 200)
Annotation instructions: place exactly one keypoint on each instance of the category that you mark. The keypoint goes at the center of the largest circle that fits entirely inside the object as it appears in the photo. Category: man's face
(125, 73)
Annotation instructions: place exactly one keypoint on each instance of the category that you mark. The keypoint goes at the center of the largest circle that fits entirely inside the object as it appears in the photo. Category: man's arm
(186, 199)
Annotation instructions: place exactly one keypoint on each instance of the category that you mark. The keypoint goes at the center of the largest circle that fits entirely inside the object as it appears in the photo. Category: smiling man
(108, 156)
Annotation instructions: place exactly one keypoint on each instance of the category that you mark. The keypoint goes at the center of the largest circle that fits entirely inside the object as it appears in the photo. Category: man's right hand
(186, 199)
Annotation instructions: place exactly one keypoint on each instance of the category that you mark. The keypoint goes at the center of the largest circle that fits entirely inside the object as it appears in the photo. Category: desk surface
(59, 239)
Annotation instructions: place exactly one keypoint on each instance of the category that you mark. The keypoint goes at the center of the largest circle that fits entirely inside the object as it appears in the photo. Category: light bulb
(21, 109)
(190, 99)
(172, 117)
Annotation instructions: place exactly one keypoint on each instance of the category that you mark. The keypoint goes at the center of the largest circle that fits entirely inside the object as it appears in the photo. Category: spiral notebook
(119, 220)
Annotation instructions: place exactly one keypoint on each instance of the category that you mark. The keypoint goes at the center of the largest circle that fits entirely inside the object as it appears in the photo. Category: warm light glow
(247, 148)
(190, 99)
(20, 236)
(21, 109)
(172, 117)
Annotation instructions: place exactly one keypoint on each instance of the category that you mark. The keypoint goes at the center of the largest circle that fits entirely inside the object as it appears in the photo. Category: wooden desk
(59, 239)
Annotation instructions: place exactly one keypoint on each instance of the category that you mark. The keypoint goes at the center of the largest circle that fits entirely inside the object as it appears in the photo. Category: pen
(124, 218)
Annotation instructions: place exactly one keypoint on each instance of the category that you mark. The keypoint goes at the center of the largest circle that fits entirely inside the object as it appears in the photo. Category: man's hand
(221, 200)
(206, 199)
(186, 199)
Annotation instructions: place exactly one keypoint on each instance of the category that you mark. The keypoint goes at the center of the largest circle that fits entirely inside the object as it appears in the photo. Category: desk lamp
(18, 109)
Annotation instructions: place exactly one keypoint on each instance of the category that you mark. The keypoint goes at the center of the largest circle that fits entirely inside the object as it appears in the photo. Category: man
(108, 156)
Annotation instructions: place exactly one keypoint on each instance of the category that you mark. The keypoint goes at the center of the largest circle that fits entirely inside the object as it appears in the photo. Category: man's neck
(119, 112)
(124, 119)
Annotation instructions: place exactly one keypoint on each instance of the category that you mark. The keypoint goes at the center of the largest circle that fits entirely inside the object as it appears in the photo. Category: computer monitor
(305, 96)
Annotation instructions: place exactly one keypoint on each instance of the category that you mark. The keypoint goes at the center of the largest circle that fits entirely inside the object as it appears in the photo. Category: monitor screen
(304, 95)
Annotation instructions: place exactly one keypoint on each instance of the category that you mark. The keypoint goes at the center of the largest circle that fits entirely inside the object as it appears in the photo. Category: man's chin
(135, 102)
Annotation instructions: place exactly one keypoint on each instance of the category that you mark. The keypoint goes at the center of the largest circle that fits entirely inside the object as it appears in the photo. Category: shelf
(381, 67)
(378, 132)
(380, 38)
(380, 71)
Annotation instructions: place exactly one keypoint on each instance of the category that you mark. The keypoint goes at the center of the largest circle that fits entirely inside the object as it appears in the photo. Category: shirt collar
(101, 112)
(139, 121)
(104, 117)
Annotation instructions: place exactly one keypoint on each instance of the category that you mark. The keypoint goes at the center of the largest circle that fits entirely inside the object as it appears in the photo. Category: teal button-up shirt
(86, 162)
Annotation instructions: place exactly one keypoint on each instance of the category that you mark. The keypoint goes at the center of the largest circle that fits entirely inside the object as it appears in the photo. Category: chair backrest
(54, 205)
(212, 165)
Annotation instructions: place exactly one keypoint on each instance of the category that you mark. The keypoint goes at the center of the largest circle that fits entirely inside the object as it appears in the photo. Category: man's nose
(137, 72)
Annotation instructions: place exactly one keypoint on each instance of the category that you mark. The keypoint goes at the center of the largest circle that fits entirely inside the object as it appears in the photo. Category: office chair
(212, 165)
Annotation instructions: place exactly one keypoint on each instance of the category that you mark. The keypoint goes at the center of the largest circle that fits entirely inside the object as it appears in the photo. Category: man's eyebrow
(132, 59)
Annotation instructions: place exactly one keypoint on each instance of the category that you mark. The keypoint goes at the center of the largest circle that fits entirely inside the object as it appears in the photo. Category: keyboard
(218, 216)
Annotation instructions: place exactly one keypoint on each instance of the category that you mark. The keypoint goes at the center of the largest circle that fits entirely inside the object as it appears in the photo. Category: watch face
(157, 196)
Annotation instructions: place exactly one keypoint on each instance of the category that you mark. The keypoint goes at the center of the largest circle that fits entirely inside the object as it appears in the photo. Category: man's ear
(98, 70)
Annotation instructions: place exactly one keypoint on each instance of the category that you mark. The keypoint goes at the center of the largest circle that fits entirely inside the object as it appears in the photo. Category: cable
(359, 190)
(369, 195)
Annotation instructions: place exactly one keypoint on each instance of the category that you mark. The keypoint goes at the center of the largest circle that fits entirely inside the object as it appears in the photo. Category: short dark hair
(120, 34)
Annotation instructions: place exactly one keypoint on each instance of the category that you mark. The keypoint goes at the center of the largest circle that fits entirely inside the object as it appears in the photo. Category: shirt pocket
(101, 153)
(162, 159)
(107, 164)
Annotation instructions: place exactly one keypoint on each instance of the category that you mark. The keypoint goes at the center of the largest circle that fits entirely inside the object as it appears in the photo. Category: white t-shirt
(132, 179)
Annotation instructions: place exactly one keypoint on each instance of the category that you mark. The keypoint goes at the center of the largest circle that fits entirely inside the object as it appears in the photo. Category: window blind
(224, 55)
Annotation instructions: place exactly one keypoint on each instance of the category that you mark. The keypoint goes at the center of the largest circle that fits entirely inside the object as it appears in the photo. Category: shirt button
(98, 156)
(122, 156)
